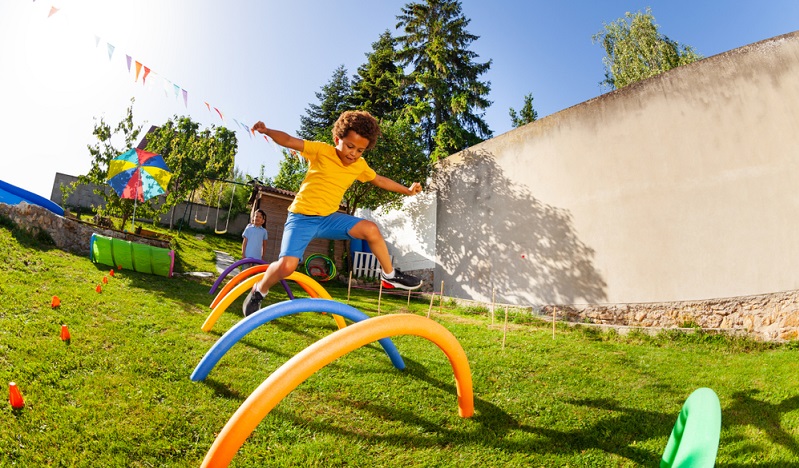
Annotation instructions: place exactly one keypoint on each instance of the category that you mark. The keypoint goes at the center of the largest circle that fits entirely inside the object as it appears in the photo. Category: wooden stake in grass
(409, 298)
(441, 301)
(554, 313)
(349, 286)
(505, 331)
(493, 303)
(379, 297)
(429, 309)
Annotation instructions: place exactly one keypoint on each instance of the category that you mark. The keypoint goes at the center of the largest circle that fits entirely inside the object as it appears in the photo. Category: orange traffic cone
(14, 396)
(105, 280)
(55, 302)
(98, 288)
(65, 334)
(111, 273)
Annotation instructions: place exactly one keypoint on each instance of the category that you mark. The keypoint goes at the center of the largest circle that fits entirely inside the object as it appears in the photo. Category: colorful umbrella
(138, 175)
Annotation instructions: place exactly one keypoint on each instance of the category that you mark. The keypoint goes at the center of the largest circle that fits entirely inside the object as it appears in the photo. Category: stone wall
(68, 234)
(766, 317)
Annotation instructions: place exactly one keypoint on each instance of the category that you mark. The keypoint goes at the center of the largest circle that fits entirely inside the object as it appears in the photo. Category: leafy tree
(223, 196)
(102, 152)
(240, 192)
(193, 155)
(378, 85)
(526, 115)
(334, 98)
(291, 174)
(637, 51)
(444, 88)
(218, 193)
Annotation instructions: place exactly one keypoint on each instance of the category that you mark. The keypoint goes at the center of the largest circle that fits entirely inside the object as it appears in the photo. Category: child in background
(255, 236)
(314, 212)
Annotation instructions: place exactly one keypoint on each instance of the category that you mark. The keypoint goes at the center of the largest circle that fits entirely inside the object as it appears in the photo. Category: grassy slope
(119, 394)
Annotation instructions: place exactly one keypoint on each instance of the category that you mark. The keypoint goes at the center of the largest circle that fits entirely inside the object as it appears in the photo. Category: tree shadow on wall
(493, 234)
(418, 210)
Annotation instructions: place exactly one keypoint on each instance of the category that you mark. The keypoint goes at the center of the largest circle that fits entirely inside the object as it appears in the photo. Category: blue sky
(264, 60)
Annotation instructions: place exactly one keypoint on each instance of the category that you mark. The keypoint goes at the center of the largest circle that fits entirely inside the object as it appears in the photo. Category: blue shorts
(301, 229)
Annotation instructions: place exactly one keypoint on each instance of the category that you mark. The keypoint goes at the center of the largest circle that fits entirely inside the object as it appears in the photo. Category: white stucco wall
(410, 232)
(680, 187)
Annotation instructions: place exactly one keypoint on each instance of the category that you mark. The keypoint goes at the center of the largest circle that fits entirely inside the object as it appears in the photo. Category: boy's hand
(415, 188)
(259, 127)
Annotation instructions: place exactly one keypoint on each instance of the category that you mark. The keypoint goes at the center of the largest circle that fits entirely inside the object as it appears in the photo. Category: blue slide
(13, 195)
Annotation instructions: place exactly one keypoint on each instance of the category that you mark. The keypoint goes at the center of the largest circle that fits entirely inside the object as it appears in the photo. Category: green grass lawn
(119, 393)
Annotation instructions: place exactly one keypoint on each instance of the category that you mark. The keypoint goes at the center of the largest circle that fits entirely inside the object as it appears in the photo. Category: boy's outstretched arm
(281, 138)
(387, 184)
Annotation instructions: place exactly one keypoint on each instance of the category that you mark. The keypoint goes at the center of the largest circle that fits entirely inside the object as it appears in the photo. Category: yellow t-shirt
(327, 179)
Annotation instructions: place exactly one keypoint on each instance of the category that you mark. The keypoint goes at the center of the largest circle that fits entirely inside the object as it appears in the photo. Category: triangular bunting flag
(53, 10)
(110, 51)
(144, 77)
(185, 98)
(220, 114)
(177, 90)
(246, 129)
(167, 86)
(97, 41)
(208, 106)
(128, 58)
(138, 70)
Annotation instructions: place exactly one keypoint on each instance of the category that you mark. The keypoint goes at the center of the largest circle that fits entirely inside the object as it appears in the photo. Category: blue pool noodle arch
(282, 309)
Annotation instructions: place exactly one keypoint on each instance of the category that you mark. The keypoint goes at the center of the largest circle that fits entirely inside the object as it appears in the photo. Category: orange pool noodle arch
(240, 276)
(304, 364)
(307, 283)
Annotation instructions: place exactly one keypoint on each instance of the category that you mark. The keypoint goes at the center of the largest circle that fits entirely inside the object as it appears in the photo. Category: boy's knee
(369, 230)
(287, 266)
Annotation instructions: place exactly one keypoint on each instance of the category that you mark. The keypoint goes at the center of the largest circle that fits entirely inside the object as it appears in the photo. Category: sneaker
(252, 303)
(400, 281)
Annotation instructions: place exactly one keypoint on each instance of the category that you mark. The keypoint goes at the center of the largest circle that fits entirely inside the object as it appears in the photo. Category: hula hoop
(331, 267)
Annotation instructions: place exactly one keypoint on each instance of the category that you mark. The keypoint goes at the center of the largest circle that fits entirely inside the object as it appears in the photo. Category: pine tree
(334, 98)
(526, 115)
(443, 84)
(378, 86)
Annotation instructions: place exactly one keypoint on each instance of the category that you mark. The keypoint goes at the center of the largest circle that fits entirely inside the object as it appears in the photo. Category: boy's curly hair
(360, 122)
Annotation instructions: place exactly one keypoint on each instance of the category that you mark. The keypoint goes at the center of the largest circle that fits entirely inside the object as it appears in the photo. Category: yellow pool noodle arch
(313, 288)
(321, 353)
(236, 280)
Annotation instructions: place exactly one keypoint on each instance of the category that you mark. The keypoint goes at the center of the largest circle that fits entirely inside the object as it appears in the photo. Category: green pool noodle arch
(694, 440)
(131, 255)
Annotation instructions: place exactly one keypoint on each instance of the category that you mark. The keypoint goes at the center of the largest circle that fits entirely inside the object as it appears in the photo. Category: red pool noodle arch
(323, 352)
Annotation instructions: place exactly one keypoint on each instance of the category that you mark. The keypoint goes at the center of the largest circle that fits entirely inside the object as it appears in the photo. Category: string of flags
(137, 69)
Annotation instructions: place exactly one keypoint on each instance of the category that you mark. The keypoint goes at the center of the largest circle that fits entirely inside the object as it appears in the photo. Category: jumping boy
(314, 212)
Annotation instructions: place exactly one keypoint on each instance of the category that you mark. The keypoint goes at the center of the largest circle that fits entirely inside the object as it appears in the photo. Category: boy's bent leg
(274, 273)
(369, 232)
(391, 277)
